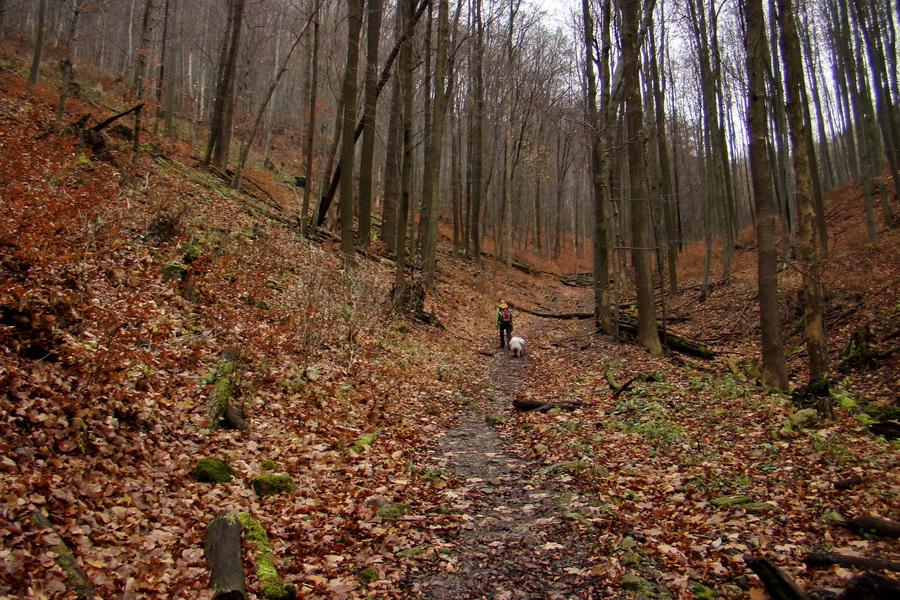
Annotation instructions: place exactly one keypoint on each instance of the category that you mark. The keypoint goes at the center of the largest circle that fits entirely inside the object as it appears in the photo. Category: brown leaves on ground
(120, 287)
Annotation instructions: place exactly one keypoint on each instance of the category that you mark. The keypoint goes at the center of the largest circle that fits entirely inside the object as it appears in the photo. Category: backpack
(505, 315)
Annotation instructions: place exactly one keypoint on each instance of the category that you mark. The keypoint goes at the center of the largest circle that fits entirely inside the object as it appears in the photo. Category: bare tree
(813, 317)
(367, 152)
(756, 45)
(348, 120)
(38, 42)
(641, 253)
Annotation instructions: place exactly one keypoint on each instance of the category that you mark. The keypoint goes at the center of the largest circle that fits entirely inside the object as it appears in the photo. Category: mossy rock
(392, 511)
(805, 419)
(269, 484)
(269, 465)
(541, 448)
(212, 470)
(368, 574)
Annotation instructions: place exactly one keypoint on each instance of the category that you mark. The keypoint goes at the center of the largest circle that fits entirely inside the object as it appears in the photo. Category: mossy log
(220, 410)
(777, 583)
(878, 526)
(271, 585)
(76, 579)
(222, 549)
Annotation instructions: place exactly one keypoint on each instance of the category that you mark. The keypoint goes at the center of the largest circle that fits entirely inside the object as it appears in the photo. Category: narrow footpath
(519, 539)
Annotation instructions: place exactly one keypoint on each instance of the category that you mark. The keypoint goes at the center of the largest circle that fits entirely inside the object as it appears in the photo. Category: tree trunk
(38, 43)
(67, 62)
(405, 81)
(648, 335)
(432, 172)
(477, 128)
(814, 322)
(311, 125)
(367, 152)
(600, 248)
(220, 121)
(354, 25)
(773, 363)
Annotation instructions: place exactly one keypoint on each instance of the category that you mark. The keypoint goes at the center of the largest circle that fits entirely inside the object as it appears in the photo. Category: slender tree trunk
(477, 129)
(393, 157)
(814, 322)
(137, 84)
(311, 124)
(38, 43)
(261, 111)
(405, 81)
(217, 147)
(432, 173)
(172, 60)
(354, 25)
(367, 152)
(756, 45)
(67, 62)
(670, 244)
(600, 252)
(648, 335)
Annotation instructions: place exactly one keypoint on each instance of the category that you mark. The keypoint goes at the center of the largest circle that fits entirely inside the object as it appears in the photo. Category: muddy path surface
(522, 536)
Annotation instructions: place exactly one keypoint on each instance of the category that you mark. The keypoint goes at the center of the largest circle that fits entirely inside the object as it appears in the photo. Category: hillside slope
(125, 289)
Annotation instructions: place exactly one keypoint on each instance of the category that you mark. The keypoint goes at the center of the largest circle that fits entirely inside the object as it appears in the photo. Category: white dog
(517, 345)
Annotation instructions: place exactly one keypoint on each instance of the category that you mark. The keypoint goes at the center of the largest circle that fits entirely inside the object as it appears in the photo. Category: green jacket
(498, 317)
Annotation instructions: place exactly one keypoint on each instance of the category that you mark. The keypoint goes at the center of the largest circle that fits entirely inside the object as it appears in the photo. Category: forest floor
(124, 280)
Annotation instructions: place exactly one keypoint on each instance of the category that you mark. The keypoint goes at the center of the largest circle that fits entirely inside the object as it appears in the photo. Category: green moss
(212, 470)
(271, 585)
(730, 500)
(219, 397)
(368, 574)
(392, 511)
(269, 465)
(494, 420)
(268, 484)
(363, 443)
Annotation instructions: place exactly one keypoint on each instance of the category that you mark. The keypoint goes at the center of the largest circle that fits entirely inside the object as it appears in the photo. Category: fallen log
(777, 583)
(104, 124)
(76, 579)
(529, 405)
(888, 429)
(878, 526)
(670, 340)
(826, 559)
(871, 586)
(674, 342)
(222, 549)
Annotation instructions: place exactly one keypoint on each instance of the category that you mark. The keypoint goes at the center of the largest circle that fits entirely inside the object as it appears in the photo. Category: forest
(251, 255)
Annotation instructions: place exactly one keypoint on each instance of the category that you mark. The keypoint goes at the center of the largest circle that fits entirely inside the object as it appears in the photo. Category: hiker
(504, 323)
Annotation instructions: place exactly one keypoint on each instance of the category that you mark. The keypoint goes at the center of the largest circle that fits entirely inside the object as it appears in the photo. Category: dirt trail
(518, 540)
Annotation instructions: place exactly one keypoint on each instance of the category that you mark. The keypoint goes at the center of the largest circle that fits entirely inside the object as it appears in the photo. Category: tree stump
(222, 549)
